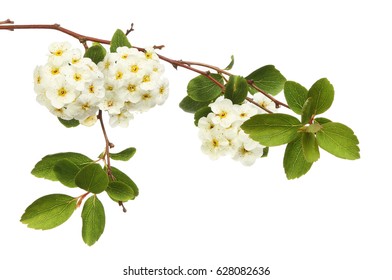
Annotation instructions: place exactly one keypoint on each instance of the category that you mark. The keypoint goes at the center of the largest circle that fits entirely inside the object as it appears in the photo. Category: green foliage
(272, 129)
(322, 120)
(231, 64)
(92, 178)
(202, 112)
(124, 155)
(119, 191)
(124, 178)
(294, 162)
(93, 218)
(69, 123)
(267, 78)
(44, 168)
(96, 53)
(296, 96)
(49, 211)
(307, 112)
(322, 94)
(310, 147)
(191, 106)
(339, 140)
(66, 172)
(203, 89)
(119, 39)
(236, 89)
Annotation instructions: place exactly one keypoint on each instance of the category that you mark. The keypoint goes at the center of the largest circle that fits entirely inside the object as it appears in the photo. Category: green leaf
(310, 147)
(124, 155)
(322, 93)
(236, 89)
(265, 152)
(294, 162)
(322, 120)
(203, 112)
(124, 178)
(307, 111)
(119, 39)
(119, 191)
(339, 140)
(92, 178)
(202, 89)
(66, 172)
(295, 95)
(231, 64)
(268, 78)
(69, 123)
(49, 211)
(96, 53)
(93, 218)
(44, 168)
(191, 106)
(272, 129)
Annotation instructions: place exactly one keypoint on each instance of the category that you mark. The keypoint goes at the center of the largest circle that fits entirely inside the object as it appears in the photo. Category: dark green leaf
(294, 162)
(203, 112)
(44, 168)
(122, 177)
(203, 89)
(339, 140)
(268, 78)
(265, 152)
(236, 89)
(92, 178)
(307, 111)
(191, 106)
(49, 211)
(295, 95)
(322, 120)
(93, 218)
(69, 123)
(272, 129)
(228, 67)
(119, 40)
(119, 191)
(96, 53)
(124, 155)
(66, 171)
(322, 94)
(310, 147)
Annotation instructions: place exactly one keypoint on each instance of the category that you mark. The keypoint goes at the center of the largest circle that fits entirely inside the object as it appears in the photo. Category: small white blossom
(225, 114)
(122, 119)
(264, 102)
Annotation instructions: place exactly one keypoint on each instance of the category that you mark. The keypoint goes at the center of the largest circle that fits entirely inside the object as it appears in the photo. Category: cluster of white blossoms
(221, 133)
(74, 87)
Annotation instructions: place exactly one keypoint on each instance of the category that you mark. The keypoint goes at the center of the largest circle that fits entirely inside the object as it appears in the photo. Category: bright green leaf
(295, 95)
(119, 191)
(313, 128)
(92, 178)
(124, 178)
(236, 89)
(310, 147)
(339, 140)
(93, 218)
(268, 78)
(124, 155)
(322, 94)
(49, 211)
(69, 123)
(294, 162)
(203, 112)
(203, 89)
(66, 172)
(272, 129)
(191, 106)
(307, 111)
(322, 120)
(44, 168)
(96, 53)
(231, 64)
(119, 39)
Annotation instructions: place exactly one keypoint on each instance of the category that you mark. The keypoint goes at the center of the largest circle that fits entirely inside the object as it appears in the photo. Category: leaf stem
(108, 146)
(80, 199)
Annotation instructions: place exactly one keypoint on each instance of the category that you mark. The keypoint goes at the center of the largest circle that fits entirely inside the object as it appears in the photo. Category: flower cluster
(74, 87)
(221, 133)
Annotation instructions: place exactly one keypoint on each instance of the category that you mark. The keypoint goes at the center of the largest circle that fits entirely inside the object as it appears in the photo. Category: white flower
(89, 121)
(77, 77)
(248, 150)
(215, 145)
(113, 102)
(264, 102)
(245, 111)
(225, 113)
(151, 54)
(121, 119)
(162, 90)
(61, 94)
(59, 53)
(84, 106)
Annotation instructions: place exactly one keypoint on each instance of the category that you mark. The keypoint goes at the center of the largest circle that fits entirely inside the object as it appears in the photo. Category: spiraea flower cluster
(74, 87)
(221, 133)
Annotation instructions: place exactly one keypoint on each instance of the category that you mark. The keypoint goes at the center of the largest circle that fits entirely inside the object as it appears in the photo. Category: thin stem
(258, 105)
(277, 102)
(80, 199)
(108, 145)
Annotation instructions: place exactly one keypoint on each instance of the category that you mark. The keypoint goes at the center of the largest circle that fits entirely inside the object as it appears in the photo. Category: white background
(334, 223)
